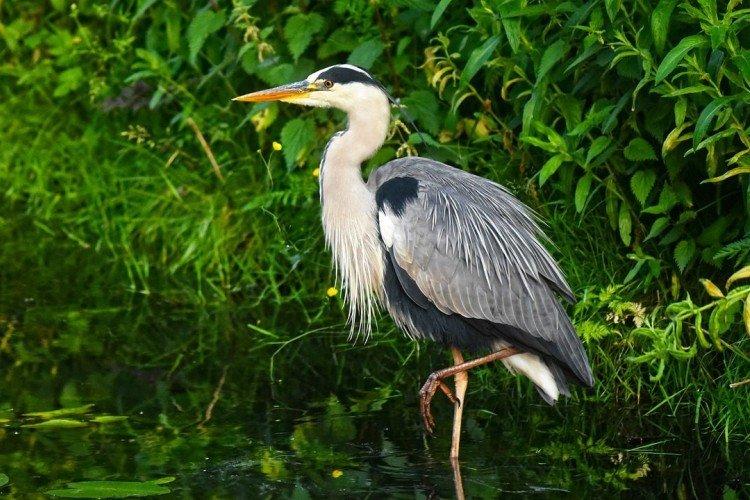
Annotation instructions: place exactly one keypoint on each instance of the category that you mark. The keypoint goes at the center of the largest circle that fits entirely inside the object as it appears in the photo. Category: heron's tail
(546, 375)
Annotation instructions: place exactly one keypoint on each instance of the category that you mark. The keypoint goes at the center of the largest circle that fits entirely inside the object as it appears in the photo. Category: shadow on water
(203, 402)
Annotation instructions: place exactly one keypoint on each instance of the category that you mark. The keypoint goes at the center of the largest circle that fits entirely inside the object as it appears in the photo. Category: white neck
(349, 210)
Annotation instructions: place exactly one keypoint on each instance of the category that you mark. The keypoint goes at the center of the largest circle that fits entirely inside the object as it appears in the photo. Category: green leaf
(533, 109)
(717, 34)
(513, 32)
(680, 108)
(201, 27)
(366, 53)
(296, 135)
(550, 167)
(478, 57)
(299, 30)
(582, 192)
(113, 489)
(277, 74)
(424, 106)
(639, 150)
(667, 199)
(438, 12)
(708, 143)
(593, 118)
(57, 423)
(657, 227)
(109, 419)
(143, 6)
(69, 80)
(728, 174)
(683, 253)
(342, 40)
(660, 22)
(625, 224)
(597, 146)
(704, 120)
(540, 143)
(675, 56)
(78, 410)
(742, 61)
(718, 323)
(642, 183)
(172, 23)
(551, 56)
(612, 7)
(611, 202)
(742, 274)
(4, 479)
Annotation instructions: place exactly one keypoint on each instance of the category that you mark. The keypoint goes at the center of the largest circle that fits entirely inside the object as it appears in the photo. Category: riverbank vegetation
(129, 180)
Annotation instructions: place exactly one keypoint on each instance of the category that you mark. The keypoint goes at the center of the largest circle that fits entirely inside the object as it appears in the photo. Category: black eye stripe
(338, 74)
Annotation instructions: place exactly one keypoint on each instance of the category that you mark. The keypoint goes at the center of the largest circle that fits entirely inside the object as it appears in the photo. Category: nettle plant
(638, 111)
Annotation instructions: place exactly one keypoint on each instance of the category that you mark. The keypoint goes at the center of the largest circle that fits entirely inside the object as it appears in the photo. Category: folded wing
(472, 249)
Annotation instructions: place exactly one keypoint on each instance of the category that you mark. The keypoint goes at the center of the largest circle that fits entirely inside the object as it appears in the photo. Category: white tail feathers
(537, 370)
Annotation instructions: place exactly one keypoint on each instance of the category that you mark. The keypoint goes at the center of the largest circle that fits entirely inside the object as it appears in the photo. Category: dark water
(227, 409)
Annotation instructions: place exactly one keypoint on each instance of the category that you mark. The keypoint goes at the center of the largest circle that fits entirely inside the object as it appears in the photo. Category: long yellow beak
(281, 93)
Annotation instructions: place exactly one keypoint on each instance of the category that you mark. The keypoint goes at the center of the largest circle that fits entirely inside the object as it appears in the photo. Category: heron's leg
(434, 381)
(462, 381)
(457, 481)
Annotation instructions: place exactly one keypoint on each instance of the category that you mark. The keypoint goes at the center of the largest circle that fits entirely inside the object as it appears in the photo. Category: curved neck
(349, 209)
(365, 133)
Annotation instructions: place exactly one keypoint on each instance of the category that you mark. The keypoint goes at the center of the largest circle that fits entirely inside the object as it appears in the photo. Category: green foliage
(61, 419)
(596, 93)
(113, 489)
(57, 423)
(623, 122)
(203, 25)
(317, 440)
(299, 31)
(477, 59)
(641, 184)
(366, 53)
(639, 150)
(295, 137)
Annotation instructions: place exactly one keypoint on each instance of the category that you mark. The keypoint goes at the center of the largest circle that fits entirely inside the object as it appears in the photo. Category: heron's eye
(327, 84)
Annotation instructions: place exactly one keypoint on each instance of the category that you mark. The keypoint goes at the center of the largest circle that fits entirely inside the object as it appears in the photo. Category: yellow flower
(336, 473)
(316, 172)
(332, 292)
(276, 146)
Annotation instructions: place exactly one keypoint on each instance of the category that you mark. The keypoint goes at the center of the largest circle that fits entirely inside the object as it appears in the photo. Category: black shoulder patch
(340, 74)
(397, 192)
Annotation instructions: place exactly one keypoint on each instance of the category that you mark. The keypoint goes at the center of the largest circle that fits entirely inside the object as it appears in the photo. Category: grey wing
(473, 250)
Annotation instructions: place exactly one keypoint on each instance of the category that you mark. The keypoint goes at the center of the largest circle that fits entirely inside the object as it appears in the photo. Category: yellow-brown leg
(435, 382)
(461, 381)
(457, 480)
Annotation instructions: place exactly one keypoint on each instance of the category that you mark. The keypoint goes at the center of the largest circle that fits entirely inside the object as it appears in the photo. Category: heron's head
(342, 86)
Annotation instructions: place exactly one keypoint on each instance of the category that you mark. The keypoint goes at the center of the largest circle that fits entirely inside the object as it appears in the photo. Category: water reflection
(201, 407)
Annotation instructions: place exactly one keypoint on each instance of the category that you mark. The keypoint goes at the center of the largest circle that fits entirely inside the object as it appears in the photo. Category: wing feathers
(472, 249)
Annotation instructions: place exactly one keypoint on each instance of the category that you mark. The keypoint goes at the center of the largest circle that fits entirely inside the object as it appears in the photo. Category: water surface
(221, 402)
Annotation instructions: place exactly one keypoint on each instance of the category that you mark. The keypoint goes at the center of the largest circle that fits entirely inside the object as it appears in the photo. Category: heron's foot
(426, 394)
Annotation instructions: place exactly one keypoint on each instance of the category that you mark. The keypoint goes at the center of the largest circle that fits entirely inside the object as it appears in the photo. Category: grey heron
(453, 257)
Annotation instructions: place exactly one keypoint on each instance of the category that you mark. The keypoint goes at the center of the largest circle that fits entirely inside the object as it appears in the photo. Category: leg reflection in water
(462, 381)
